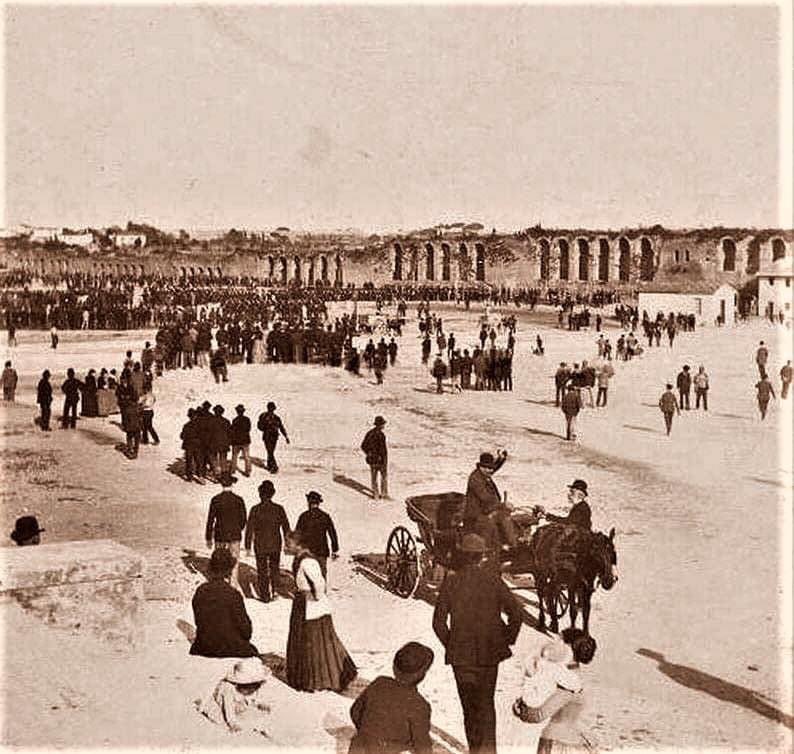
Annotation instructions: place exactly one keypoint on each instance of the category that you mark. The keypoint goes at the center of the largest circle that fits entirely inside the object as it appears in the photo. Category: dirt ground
(693, 641)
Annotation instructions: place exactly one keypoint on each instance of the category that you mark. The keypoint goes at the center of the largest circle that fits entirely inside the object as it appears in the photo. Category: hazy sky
(383, 118)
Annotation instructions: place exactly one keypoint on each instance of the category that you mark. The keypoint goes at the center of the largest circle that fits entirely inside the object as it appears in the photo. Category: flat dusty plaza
(691, 650)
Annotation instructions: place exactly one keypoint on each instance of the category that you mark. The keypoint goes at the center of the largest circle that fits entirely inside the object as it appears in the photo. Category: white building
(85, 240)
(128, 240)
(774, 288)
(705, 300)
(42, 234)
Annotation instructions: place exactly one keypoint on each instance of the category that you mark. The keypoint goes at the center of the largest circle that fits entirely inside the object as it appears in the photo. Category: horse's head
(606, 558)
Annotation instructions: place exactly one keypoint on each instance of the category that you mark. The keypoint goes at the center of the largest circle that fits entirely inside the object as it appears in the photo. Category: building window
(771, 281)
(698, 306)
(677, 255)
(778, 249)
(788, 282)
(686, 254)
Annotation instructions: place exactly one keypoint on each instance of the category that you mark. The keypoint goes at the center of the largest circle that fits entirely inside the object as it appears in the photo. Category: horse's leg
(574, 610)
(540, 588)
(587, 593)
(552, 593)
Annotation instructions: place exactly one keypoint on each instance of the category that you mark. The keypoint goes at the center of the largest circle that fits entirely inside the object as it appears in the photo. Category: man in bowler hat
(225, 523)
(376, 454)
(270, 425)
(580, 513)
(266, 522)
(468, 622)
(316, 528)
(26, 531)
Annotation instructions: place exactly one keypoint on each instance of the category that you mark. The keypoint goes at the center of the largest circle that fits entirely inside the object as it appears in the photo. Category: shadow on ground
(352, 484)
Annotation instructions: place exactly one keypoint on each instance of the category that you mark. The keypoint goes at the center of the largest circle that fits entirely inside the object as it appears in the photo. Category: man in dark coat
(485, 513)
(223, 628)
(266, 523)
(390, 715)
(571, 405)
(241, 439)
(580, 514)
(468, 622)
(270, 425)
(225, 522)
(316, 528)
(220, 440)
(376, 455)
(561, 378)
(191, 444)
(71, 390)
(44, 399)
(684, 385)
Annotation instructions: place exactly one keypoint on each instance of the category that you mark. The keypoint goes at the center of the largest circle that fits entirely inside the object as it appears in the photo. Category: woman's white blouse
(315, 608)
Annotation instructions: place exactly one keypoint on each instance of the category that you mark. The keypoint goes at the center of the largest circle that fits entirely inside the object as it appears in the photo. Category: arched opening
(192, 272)
(624, 260)
(646, 260)
(584, 259)
(210, 273)
(430, 260)
(201, 271)
(778, 249)
(284, 273)
(271, 267)
(298, 269)
(310, 277)
(464, 263)
(324, 269)
(545, 259)
(398, 262)
(338, 279)
(603, 260)
(446, 262)
(479, 269)
(182, 272)
(728, 255)
(140, 270)
(414, 271)
(220, 273)
(565, 258)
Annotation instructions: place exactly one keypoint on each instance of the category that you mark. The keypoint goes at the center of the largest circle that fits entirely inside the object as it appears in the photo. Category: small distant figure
(26, 531)
(765, 392)
(684, 384)
(439, 372)
(241, 439)
(538, 350)
(54, 338)
(701, 382)
(10, 380)
(571, 406)
(761, 358)
(785, 379)
(71, 389)
(376, 456)
(44, 399)
(390, 715)
(270, 425)
(668, 406)
(12, 336)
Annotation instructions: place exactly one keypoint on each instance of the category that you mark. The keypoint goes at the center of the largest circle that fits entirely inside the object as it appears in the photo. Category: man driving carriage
(580, 514)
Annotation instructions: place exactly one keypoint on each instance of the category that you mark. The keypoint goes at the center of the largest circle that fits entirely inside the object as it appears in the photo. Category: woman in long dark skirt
(316, 659)
(90, 405)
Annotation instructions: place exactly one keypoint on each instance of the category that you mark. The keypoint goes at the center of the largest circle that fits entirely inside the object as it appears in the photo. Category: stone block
(93, 586)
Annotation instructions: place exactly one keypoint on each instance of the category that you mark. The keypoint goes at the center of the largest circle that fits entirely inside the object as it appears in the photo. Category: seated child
(237, 701)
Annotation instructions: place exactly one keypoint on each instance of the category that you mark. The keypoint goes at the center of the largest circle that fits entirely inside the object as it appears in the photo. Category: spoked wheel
(402, 562)
(561, 602)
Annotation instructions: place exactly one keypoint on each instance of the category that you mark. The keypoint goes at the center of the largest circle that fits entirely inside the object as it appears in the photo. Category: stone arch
(413, 273)
(310, 272)
(200, 271)
(545, 259)
(778, 249)
(192, 272)
(728, 255)
(324, 269)
(271, 267)
(398, 262)
(624, 260)
(646, 259)
(219, 271)
(283, 271)
(141, 271)
(446, 262)
(430, 262)
(479, 266)
(584, 259)
(565, 258)
(603, 260)
(298, 269)
(338, 273)
(182, 272)
(464, 263)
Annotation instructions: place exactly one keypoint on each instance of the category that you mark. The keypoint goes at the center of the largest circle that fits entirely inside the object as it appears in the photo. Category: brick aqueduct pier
(536, 257)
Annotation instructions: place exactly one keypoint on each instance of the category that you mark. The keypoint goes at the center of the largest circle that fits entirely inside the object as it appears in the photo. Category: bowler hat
(412, 661)
(227, 480)
(379, 421)
(267, 488)
(221, 562)
(472, 543)
(314, 497)
(487, 461)
(239, 407)
(271, 406)
(25, 528)
(578, 484)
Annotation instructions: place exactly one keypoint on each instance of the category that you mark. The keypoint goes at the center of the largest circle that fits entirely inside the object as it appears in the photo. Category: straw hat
(247, 671)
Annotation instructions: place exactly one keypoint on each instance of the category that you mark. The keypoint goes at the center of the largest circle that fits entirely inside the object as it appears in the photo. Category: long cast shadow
(541, 403)
(353, 485)
(724, 691)
(543, 433)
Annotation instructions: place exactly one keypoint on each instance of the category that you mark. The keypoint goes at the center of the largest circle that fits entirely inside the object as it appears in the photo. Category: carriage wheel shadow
(724, 691)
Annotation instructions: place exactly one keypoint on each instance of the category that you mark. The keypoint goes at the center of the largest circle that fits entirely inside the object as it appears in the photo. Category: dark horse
(570, 559)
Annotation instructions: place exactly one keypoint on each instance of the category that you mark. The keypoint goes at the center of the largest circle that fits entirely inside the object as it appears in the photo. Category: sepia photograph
(396, 378)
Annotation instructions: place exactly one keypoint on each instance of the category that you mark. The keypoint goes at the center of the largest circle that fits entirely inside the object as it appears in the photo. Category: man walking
(265, 525)
(468, 622)
(761, 357)
(571, 405)
(785, 379)
(684, 385)
(10, 380)
(668, 406)
(560, 380)
(191, 444)
(605, 374)
(765, 392)
(71, 390)
(376, 455)
(44, 399)
(270, 425)
(241, 439)
(225, 523)
(316, 527)
(701, 382)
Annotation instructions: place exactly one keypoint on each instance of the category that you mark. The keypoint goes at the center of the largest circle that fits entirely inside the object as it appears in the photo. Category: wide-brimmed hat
(379, 421)
(314, 497)
(578, 484)
(25, 527)
(247, 671)
(412, 661)
(472, 543)
(221, 562)
(487, 461)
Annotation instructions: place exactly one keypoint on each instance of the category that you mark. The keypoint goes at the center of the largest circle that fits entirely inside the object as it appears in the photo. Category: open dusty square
(691, 642)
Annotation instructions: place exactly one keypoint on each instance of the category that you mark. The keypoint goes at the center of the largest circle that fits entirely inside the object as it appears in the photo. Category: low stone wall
(94, 586)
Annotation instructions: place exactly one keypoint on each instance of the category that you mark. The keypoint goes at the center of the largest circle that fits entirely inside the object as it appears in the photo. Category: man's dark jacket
(482, 494)
(226, 518)
(316, 527)
(223, 628)
(265, 523)
(579, 515)
(468, 618)
(241, 431)
(374, 447)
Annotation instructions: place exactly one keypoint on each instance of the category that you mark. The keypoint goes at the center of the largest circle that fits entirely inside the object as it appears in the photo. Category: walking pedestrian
(468, 622)
(191, 444)
(316, 528)
(241, 439)
(147, 402)
(701, 382)
(765, 392)
(668, 406)
(605, 374)
(571, 405)
(54, 338)
(785, 379)
(44, 399)
(684, 384)
(561, 377)
(376, 456)
(71, 390)
(270, 425)
(265, 525)
(439, 372)
(761, 358)
(225, 523)
(220, 440)
(10, 380)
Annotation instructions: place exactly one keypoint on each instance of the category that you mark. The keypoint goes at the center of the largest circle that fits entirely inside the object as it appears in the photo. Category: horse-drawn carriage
(562, 564)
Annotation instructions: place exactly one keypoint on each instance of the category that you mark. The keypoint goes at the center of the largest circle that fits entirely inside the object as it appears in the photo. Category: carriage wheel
(402, 562)
(561, 602)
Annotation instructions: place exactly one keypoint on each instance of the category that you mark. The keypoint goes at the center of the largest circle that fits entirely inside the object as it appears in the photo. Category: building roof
(685, 287)
(783, 267)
